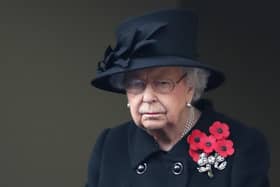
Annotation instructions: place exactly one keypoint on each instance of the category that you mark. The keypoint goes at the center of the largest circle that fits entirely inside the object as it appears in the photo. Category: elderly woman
(175, 138)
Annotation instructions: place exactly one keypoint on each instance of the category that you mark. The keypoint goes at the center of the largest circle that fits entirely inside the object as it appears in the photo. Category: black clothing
(126, 156)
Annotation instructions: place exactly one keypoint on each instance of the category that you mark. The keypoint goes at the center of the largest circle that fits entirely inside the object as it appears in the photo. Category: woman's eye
(136, 83)
(163, 82)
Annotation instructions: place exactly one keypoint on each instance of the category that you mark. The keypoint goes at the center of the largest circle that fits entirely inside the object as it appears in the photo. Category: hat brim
(102, 80)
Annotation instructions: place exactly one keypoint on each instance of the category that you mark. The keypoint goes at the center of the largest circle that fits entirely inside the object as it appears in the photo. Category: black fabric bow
(128, 45)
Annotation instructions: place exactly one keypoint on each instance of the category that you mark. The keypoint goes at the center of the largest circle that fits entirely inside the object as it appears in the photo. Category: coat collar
(142, 145)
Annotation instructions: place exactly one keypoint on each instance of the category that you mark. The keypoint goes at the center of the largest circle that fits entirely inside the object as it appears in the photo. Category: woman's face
(151, 109)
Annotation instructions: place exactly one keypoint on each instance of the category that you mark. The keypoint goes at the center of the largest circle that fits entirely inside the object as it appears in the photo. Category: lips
(152, 113)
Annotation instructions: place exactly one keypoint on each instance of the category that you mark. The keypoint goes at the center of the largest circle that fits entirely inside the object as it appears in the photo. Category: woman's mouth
(152, 114)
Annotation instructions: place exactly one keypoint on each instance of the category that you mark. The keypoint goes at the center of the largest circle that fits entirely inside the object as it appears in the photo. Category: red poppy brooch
(210, 151)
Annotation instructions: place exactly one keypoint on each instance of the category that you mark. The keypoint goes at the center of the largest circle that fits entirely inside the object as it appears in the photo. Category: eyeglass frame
(174, 84)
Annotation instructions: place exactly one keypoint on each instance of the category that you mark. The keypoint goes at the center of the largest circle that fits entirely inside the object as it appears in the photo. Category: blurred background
(50, 115)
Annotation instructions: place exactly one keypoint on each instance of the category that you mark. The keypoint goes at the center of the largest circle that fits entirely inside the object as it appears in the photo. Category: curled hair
(197, 78)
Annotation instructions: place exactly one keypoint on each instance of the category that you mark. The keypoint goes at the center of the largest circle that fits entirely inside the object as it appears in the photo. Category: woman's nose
(148, 94)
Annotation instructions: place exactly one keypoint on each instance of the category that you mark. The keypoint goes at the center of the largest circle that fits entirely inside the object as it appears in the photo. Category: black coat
(126, 156)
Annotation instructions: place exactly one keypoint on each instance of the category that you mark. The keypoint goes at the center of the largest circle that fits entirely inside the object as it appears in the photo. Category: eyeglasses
(163, 86)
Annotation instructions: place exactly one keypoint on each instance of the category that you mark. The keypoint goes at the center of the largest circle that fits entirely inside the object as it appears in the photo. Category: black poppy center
(220, 130)
(223, 148)
(208, 144)
(197, 139)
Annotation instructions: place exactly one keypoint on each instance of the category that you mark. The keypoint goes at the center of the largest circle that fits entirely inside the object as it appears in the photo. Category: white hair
(196, 77)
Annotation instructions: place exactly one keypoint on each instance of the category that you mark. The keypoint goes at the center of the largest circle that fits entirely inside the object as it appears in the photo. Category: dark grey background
(50, 116)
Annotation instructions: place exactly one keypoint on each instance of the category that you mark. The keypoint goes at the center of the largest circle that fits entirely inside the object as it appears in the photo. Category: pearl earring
(189, 105)
(128, 105)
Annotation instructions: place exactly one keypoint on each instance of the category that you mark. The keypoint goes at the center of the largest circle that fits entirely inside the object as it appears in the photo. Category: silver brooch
(207, 162)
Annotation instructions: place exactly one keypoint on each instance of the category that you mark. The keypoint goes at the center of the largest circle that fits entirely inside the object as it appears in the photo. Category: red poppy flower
(219, 130)
(224, 147)
(208, 143)
(194, 139)
(195, 154)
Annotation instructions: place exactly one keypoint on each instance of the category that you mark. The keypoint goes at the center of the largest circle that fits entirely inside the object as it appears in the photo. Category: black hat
(157, 39)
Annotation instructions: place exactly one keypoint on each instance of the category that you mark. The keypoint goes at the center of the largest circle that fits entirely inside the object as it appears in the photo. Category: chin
(153, 124)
